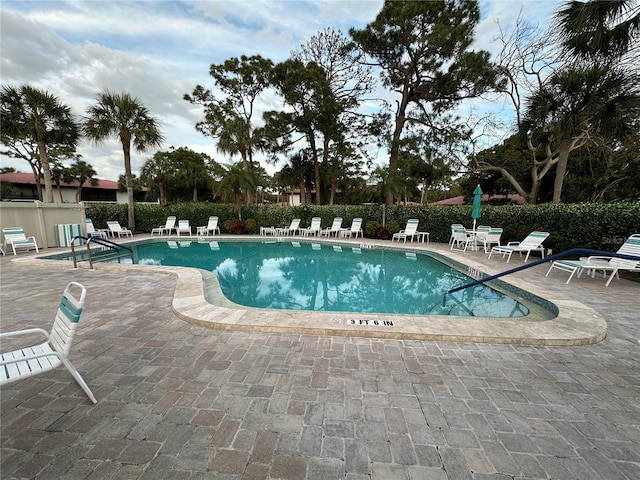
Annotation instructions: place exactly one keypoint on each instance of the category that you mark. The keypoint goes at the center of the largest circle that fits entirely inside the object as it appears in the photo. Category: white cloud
(158, 51)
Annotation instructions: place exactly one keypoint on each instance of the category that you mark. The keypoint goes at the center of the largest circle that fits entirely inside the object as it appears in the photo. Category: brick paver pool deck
(178, 400)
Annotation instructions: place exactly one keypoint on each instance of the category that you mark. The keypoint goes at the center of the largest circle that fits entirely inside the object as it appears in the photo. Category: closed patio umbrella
(475, 211)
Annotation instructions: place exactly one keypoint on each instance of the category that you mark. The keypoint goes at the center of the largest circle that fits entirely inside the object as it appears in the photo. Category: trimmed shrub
(598, 226)
(251, 226)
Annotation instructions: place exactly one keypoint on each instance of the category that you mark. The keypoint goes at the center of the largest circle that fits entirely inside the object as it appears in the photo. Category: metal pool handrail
(116, 247)
(574, 251)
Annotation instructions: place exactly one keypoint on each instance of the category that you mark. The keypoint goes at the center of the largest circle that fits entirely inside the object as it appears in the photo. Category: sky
(160, 50)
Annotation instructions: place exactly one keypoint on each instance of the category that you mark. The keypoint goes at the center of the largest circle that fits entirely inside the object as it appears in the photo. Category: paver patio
(183, 401)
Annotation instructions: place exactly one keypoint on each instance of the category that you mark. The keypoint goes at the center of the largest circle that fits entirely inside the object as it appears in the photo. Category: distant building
(104, 191)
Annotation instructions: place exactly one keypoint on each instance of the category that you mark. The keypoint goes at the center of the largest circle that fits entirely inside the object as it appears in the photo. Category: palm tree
(80, 172)
(28, 114)
(158, 170)
(387, 183)
(237, 181)
(578, 105)
(125, 116)
(598, 29)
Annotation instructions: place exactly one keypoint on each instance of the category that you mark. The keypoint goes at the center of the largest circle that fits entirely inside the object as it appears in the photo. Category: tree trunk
(316, 169)
(163, 200)
(334, 186)
(126, 147)
(36, 178)
(561, 169)
(46, 171)
(394, 153)
(78, 194)
(326, 141)
(247, 164)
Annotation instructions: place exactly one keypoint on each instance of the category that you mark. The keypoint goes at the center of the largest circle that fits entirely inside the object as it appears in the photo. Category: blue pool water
(324, 277)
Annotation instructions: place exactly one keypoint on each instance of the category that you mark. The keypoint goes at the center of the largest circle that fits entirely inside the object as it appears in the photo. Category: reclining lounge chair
(532, 243)
(605, 264)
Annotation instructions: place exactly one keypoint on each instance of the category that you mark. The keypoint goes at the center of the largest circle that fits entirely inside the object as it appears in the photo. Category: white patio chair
(211, 226)
(410, 231)
(168, 226)
(292, 229)
(355, 229)
(611, 265)
(115, 228)
(16, 237)
(492, 237)
(334, 229)
(183, 227)
(461, 238)
(29, 361)
(532, 243)
(92, 231)
(314, 228)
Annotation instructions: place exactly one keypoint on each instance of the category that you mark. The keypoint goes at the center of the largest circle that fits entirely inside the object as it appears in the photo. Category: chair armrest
(15, 333)
(597, 259)
(513, 244)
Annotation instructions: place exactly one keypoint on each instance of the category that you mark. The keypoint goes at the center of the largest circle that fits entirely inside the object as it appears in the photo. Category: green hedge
(587, 225)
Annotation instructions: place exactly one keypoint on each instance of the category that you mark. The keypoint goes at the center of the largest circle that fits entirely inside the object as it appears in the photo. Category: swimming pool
(297, 275)
(554, 319)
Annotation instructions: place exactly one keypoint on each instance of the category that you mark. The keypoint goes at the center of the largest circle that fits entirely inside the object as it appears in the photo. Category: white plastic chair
(15, 237)
(92, 231)
(356, 229)
(168, 226)
(605, 264)
(115, 228)
(183, 227)
(334, 229)
(461, 238)
(314, 228)
(493, 236)
(292, 229)
(211, 226)
(29, 361)
(410, 231)
(532, 243)
(454, 225)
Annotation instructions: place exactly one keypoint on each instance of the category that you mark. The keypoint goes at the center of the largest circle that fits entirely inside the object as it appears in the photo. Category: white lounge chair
(314, 228)
(92, 231)
(334, 229)
(292, 229)
(532, 243)
(410, 231)
(167, 228)
(605, 264)
(115, 228)
(27, 362)
(211, 226)
(16, 237)
(356, 229)
(183, 227)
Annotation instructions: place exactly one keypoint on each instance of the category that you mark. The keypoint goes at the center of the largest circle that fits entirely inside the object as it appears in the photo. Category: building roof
(22, 178)
(460, 199)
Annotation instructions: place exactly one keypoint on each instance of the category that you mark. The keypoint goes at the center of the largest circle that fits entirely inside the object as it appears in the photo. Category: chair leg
(79, 379)
(613, 274)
